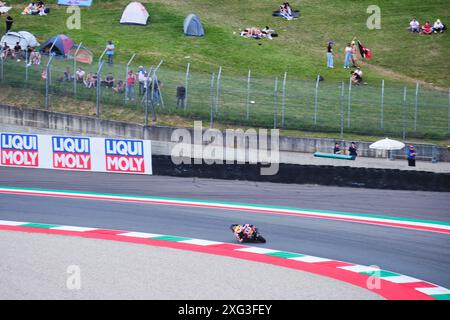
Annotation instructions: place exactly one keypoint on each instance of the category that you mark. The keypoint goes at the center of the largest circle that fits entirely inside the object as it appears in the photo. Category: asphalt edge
(389, 285)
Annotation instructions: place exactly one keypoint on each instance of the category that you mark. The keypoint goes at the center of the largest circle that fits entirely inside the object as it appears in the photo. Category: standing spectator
(131, 79)
(110, 51)
(348, 56)
(140, 74)
(9, 22)
(330, 55)
(337, 148)
(354, 53)
(156, 89)
(352, 150)
(181, 95)
(414, 25)
(412, 156)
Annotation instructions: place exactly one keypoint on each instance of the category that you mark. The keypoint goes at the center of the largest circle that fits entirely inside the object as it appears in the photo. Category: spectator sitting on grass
(66, 76)
(89, 80)
(438, 26)
(414, 25)
(427, 28)
(79, 75)
(6, 51)
(16, 53)
(120, 87)
(109, 81)
(357, 76)
(35, 57)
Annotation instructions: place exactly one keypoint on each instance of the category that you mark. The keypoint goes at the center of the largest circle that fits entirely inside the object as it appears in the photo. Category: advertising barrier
(76, 153)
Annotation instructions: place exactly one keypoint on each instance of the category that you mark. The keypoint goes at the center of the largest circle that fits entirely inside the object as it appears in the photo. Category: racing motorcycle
(247, 233)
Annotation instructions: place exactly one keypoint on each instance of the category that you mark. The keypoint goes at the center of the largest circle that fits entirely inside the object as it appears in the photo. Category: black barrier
(309, 174)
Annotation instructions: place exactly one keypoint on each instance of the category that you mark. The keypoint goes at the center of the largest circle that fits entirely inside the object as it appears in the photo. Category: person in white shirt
(140, 74)
(438, 26)
(348, 56)
(414, 25)
(110, 51)
(79, 75)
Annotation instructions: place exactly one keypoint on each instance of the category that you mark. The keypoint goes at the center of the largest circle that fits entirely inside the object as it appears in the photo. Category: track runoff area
(80, 153)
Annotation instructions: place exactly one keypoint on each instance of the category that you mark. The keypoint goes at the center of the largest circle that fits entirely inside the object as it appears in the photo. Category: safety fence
(379, 109)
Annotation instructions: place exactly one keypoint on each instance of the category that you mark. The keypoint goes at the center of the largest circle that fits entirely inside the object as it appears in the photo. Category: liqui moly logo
(124, 155)
(71, 153)
(19, 150)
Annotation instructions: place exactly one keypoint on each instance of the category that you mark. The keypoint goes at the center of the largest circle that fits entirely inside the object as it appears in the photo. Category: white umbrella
(387, 144)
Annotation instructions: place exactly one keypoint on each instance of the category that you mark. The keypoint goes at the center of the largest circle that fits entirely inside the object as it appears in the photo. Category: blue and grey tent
(193, 26)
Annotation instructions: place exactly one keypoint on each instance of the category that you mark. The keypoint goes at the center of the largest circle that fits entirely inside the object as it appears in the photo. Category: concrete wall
(98, 127)
(307, 174)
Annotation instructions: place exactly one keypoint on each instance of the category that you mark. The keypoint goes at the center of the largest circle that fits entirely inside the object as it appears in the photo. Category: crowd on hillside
(427, 28)
(36, 8)
(29, 54)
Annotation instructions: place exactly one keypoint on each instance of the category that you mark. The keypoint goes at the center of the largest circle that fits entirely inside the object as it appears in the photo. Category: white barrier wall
(76, 153)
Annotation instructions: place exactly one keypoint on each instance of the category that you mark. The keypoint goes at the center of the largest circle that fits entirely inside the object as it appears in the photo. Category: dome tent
(135, 13)
(61, 45)
(24, 38)
(192, 26)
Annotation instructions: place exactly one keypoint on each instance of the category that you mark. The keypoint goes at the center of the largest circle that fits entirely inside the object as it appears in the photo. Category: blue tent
(193, 26)
(60, 45)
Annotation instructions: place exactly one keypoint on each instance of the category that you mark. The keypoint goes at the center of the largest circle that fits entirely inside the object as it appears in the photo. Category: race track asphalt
(419, 254)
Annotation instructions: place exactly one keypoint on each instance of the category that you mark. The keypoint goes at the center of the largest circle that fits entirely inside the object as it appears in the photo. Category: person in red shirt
(427, 28)
(131, 79)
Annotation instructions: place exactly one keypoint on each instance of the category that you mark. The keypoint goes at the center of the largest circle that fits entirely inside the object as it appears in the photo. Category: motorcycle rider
(244, 231)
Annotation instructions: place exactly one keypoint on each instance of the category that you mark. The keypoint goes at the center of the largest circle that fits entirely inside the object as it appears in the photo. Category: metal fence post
(186, 83)
(47, 81)
(155, 78)
(434, 154)
(75, 70)
(283, 101)
(342, 110)
(416, 107)
(217, 88)
(126, 77)
(275, 97)
(404, 114)
(382, 106)
(315, 100)
(101, 56)
(448, 111)
(99, 85)
(211, 113)
(147, 80)
(26, 66)
(247, 106)
(1, 65)
(349, 107)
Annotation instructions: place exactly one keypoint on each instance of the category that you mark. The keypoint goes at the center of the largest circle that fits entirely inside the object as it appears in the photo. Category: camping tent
(84, 55)
(193, 26)
(135, 13)
(24, 38)
(61, 45)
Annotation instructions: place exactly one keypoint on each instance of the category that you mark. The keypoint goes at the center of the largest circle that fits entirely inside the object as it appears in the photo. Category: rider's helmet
(238, 228)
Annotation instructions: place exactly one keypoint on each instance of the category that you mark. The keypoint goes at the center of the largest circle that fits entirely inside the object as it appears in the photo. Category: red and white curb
(391, 285)
(389, 221)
